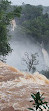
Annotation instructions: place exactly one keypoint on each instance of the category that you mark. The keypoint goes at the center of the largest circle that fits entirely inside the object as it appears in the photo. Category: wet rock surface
(16, 88)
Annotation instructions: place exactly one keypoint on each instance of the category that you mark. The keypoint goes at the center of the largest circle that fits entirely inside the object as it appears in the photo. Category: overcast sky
(32, 2)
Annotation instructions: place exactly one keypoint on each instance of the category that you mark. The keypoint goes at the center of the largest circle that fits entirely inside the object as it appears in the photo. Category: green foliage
(17, 11)
(30, 12)
(38, 28)
(35, 22)
(38, 101)
(4, 45)
(4, 4)
(6, 16)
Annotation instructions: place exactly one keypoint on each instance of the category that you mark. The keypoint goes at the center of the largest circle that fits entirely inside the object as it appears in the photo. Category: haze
(32, 2)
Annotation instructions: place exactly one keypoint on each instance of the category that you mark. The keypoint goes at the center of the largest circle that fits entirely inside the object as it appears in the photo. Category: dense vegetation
(4, 21)
(35, 22)
(6, 15)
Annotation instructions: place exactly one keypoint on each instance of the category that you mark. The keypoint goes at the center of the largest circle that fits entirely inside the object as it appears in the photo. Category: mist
(33, 2)
(21, 43)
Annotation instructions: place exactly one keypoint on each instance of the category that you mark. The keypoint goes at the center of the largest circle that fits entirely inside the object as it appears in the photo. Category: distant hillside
(35, 22)
(45, 9)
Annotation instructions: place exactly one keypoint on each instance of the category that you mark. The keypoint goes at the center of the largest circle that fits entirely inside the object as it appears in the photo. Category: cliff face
(16, 88)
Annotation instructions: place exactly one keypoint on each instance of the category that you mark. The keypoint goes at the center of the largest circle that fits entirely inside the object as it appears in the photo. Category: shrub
(38, 102)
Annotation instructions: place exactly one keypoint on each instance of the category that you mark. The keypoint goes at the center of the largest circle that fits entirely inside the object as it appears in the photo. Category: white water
(13, 24)
(16, 91)
(21, 43)
(46, 57)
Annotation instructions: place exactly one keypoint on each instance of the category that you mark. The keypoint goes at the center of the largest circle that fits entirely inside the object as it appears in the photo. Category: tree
(4, 45)
(5, 17)
(31, 61)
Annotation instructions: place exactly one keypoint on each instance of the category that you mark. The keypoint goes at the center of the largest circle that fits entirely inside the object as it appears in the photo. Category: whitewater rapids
(16, 88)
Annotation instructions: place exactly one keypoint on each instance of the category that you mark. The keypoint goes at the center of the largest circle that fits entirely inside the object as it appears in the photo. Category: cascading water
(13, 24)
(16, 88)
(46, 57)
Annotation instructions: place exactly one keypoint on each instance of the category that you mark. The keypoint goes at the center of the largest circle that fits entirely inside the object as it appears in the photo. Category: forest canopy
(35, 22)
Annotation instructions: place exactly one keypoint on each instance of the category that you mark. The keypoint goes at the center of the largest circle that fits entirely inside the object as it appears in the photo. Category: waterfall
(46, 57)
(13, 24)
